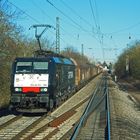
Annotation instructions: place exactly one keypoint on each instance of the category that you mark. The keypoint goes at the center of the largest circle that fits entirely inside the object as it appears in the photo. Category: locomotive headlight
(44, 89)
(18, 89)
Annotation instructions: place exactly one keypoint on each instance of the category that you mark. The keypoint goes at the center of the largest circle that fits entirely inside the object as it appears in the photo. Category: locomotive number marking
(70, 74)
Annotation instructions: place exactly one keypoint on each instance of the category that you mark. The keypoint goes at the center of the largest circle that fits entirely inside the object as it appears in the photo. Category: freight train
(41, 83)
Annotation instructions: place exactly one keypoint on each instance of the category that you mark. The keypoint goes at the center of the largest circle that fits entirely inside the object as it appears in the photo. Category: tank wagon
(39, 84)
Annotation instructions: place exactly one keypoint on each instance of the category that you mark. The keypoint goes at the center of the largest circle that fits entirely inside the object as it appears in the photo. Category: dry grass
(4, 97)
(4, 86)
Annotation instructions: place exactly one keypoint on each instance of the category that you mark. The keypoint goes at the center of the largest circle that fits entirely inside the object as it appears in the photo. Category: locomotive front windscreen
(23, 66)
(28, 67)
(31, 74)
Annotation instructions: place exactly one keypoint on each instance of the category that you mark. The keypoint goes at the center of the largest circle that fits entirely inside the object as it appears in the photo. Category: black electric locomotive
(40, 83)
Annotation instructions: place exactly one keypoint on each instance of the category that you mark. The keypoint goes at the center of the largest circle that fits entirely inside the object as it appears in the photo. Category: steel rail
(108, 114)
(85, 114)
(2, 126)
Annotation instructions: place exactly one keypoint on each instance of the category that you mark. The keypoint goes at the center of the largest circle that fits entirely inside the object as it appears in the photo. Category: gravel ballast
(125, 115)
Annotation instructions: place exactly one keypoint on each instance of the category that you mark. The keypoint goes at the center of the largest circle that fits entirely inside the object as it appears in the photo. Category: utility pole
(82, 45)
(57, 35)
(127, 62)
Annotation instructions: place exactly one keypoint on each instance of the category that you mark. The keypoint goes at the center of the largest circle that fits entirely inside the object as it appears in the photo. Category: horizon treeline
(128, 64)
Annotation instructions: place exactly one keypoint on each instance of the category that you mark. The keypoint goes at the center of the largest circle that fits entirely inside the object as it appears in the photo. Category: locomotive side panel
(65, 78)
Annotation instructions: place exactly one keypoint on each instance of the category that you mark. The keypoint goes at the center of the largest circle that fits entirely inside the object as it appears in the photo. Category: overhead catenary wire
(97, 26)
(78, 26)
(47, 15)
(24, 12)
(32, 18)
(3, 3)
(92, 11)
(37, 21)
(42, 10)
(81, 18)
(73, 11)
(97, 15)
(100, 41)
(67, 33)
(124, 29)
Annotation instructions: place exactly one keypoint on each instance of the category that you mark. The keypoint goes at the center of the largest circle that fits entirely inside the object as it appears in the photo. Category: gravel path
(125, 115)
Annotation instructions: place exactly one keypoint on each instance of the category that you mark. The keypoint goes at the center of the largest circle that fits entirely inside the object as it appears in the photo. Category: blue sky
(117, 20)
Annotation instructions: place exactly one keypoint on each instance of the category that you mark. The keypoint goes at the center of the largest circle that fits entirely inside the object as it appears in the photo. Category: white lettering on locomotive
(70, 74)
(31, 80)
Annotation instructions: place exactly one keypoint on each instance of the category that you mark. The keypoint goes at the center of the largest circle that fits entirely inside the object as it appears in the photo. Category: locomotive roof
(58, 60)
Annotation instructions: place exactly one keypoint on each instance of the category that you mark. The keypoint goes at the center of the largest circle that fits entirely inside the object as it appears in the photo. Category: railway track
(35, 127)
(4, 122)
(49, 126)
(95, 122)
(61, 123)
(14, 126)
